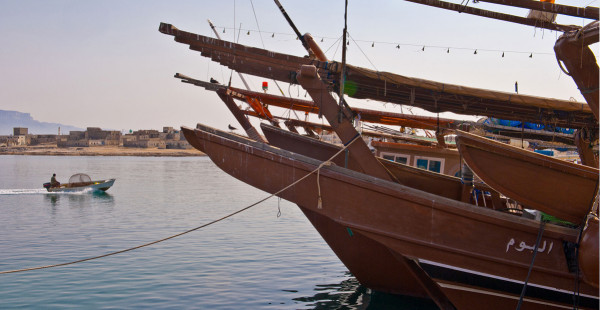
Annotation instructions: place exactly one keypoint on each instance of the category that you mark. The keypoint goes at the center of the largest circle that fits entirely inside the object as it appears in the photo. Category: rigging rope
(263, 43)
(367, 57)
(325, 163)
(535, 250)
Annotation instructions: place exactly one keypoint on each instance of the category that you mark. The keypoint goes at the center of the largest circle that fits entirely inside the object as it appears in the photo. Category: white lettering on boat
(523, 246)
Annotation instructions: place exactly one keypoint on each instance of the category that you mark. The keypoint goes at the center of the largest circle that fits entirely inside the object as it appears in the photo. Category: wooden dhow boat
(418, 178)
(472, 253)
(451, 290)
(464, 254)
(557, 187)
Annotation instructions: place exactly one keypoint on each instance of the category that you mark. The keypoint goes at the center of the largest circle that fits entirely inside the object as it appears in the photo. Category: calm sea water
(254, 260)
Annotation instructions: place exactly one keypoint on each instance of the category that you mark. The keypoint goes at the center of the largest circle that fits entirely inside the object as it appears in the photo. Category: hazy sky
(104, 63)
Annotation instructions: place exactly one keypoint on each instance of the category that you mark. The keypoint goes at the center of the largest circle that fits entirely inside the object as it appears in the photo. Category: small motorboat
(80, 182)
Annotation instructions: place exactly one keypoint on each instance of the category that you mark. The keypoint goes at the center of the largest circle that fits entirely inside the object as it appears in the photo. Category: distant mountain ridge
(11, 119)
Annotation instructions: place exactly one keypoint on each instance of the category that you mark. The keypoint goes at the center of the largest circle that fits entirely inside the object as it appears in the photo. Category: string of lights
(397, 45)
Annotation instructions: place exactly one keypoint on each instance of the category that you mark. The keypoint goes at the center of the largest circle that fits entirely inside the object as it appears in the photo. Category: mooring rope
(325, 163)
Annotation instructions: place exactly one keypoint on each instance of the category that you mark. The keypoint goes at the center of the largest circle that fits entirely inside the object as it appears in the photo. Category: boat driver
(53, 182)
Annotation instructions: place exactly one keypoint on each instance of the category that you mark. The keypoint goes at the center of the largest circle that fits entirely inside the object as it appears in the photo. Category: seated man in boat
(53, 182)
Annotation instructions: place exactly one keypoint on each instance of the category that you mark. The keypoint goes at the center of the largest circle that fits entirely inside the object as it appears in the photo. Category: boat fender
(588, 252)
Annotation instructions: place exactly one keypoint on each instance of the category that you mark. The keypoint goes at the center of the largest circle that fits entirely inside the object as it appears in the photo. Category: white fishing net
(80, 178)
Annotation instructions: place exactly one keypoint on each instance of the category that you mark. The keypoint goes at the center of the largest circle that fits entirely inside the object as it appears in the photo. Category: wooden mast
(495, 15)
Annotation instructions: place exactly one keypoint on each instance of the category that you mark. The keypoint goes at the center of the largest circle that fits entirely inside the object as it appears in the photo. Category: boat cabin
(436, 159)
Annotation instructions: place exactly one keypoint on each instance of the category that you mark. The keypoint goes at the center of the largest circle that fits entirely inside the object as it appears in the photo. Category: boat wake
(38, 191)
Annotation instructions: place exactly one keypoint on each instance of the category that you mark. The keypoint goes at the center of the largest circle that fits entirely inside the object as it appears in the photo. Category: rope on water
(325, 163)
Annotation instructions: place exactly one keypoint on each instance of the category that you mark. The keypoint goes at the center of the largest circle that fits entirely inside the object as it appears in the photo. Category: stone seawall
(97, 151)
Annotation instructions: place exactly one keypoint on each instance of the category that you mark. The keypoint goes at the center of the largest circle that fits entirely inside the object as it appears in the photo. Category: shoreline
(46, 150)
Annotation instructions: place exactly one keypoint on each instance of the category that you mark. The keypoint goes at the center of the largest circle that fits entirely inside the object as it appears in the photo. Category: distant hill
(11, 119)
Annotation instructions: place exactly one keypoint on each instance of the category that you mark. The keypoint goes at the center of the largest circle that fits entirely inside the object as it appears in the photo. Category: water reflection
(80, 199)
(349, 294)
(53, 199)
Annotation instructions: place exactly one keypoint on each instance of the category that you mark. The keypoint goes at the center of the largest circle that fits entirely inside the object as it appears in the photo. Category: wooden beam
(310, 80)
(239, 116)
(496, 15)
(586, 12)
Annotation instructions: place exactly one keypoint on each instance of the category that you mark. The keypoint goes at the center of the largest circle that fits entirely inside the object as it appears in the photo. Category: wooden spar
(381, 117)
(399, 89)
(366, 115)
(586, 12)
(308, 78)
(300, 36)
(369, 116)
(262, 111)
(313, 49)
(239, 116)
(205, 85)
(319, 54)
(573, 50)
(496, 15)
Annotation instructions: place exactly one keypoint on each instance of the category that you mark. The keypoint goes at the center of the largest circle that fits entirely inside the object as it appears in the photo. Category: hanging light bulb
(321, 39)
(373, 45)
(423, 49)
(223, 29)
(248, 32)
(502, 54)
(448, 50)
(398, 46)
(475, 52)
(531, 55)
(273, 35)
(348, 43)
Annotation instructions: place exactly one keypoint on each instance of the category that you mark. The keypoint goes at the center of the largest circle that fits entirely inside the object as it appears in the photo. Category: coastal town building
(174, 139)
(41, 139)
(18, 138)
(144, 139)
(13, 141)
(93, 136)
(19, 131)
(169, 138)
